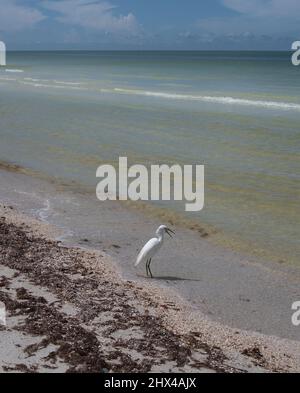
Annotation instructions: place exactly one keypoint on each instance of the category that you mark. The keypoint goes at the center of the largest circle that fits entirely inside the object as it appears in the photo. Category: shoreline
(83, 296)
(228, 241)
(229, 288)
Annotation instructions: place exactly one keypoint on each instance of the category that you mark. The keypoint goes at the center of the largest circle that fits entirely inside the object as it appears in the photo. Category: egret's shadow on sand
(170, 278)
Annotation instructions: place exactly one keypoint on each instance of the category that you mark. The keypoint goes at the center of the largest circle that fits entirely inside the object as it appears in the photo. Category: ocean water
(63, 114)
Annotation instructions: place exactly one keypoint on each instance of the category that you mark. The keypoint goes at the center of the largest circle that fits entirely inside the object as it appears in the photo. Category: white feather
(149, 250)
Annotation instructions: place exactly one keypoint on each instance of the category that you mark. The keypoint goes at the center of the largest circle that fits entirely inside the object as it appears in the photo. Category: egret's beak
(169, 231)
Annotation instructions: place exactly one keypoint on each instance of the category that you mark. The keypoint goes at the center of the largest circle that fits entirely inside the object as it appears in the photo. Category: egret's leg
(149, 268)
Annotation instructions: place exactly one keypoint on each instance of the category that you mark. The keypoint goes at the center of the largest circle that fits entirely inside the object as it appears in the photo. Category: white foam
(8, 79)
(40, 83)
(36, 80)
(51, 86)
(214, 99)
(44, 212)
(14, 70)
(67, 83)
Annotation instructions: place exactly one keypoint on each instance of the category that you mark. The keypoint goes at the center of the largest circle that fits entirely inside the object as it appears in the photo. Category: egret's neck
(160, 236)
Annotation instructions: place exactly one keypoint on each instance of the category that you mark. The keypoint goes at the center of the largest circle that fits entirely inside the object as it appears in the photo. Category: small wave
(36, 80)
(214, 99)
(67, 83)
(50, 86)
(44, 212)
(52, 81)
(8, 79)
(14, 70)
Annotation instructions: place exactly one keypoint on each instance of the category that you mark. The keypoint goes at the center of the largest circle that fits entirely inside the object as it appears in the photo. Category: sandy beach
(69, 310)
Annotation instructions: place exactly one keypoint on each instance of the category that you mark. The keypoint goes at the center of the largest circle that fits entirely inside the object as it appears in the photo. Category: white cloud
(265, 8)
(15, 17)
(255, 18)
(244, 6)
(95, 15)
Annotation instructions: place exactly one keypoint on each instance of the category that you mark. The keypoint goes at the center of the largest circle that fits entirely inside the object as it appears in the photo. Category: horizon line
(149, 50)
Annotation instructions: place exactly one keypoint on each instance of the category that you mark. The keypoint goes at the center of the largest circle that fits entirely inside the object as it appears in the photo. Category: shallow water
(65, 113)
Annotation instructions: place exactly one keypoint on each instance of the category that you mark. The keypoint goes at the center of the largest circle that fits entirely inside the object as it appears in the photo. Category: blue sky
(150, 24)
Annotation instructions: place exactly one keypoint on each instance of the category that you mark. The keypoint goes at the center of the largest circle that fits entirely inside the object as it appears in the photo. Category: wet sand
(69, 310)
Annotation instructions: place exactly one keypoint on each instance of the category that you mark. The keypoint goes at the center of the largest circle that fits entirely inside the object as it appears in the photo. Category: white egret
(152, 247)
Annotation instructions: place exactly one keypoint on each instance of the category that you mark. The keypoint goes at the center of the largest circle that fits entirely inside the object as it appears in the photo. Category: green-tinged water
(65, 113)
